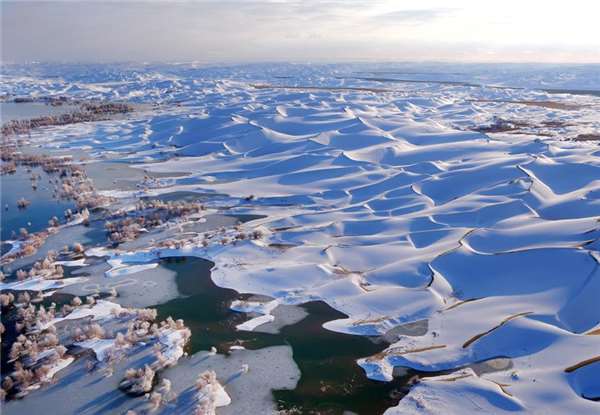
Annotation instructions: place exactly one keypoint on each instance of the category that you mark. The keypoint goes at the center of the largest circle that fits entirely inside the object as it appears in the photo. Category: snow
(256, 307)
(221, 396)
(120, 271)
(459, 392)
(101, 347)
(173, 342)
(255, 322)
(14, 247)
(56, 367)
(391, 207)
(100, 310)
(40, 284)
(72, 263)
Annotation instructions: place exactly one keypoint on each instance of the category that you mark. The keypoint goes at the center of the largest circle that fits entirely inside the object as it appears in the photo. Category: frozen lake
(11, 111)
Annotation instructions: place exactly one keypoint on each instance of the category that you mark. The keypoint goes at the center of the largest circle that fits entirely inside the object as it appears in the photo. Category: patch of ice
(255, 322)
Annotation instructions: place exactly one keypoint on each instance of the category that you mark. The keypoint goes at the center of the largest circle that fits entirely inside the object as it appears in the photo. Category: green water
(331, 381)
(205, 309)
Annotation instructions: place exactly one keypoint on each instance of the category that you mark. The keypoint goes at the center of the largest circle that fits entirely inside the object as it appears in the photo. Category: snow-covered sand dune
(393, 207)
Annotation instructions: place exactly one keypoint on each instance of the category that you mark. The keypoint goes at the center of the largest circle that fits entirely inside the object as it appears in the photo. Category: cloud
(310, 30)
(414, 16)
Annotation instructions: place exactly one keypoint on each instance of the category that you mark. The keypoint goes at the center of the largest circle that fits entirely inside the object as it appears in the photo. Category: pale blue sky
(283, 30)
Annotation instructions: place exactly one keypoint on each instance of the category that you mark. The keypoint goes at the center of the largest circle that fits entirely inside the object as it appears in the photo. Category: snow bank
(100, 310)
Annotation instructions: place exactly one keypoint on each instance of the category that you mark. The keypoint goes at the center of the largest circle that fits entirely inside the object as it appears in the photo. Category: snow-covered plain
(385, 200)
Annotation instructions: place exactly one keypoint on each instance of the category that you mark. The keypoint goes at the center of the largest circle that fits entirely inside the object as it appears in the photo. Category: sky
(301, 31)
